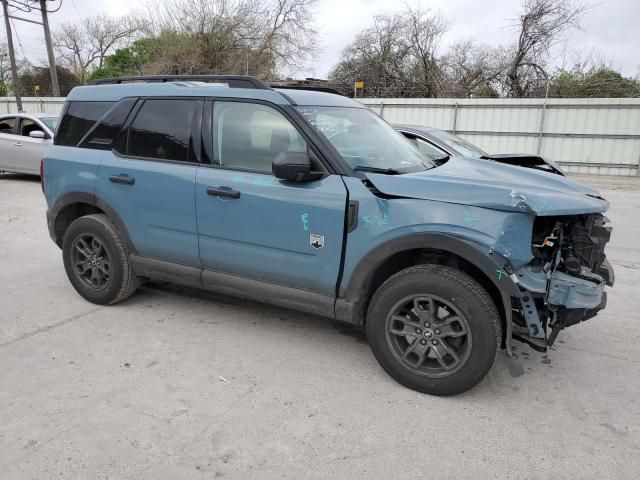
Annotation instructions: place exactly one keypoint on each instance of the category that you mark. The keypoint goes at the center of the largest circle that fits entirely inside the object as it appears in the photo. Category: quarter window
(77, 120)
(162, 129)
(249, 136)
(103, 136)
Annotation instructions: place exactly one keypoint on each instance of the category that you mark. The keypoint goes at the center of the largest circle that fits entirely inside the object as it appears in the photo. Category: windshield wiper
(386, 171)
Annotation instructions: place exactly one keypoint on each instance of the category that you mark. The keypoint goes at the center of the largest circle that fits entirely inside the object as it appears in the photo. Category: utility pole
(12, 57)
(47, 39)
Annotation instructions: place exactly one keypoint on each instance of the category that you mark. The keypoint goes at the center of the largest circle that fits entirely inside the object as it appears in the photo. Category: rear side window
(162, 129)
(103, 136)
(7, 125)
(77, 120)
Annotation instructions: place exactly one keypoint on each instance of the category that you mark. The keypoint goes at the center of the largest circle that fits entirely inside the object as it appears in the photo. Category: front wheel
(434, 329)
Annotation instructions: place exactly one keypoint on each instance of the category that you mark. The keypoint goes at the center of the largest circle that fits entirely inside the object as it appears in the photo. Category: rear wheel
(97, 260)
(434, 329)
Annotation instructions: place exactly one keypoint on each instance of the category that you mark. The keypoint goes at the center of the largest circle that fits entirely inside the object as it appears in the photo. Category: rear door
(255, 226)
(149, 177)
(30, 150)
(8, 140)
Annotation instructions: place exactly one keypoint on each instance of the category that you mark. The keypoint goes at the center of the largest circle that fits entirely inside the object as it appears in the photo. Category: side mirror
(294, 166)
(36, 134)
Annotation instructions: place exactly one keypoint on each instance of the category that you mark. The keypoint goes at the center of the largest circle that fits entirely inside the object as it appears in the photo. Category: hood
(496, 186)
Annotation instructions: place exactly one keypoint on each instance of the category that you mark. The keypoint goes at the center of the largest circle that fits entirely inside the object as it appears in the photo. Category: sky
(610, 29)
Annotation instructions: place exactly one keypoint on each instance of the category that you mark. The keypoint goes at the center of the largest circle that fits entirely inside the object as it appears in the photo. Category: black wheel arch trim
(71, 198)
(489, 264)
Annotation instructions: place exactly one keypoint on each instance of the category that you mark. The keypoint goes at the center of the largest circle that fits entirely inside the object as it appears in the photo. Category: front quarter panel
(505, 237)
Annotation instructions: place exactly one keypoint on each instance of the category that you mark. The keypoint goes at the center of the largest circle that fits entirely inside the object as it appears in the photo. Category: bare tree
(288, 33)
(231, 36)
(396, 56)
(541, 25)
(380, 55)
(5, 70)
(425, 30)
(474, 70)
(84, 46)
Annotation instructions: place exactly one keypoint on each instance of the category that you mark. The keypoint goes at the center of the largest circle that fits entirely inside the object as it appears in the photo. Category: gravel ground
(177, 383)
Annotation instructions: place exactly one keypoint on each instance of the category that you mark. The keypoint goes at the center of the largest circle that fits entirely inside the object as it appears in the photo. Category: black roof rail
(234, 81)
(308, 87)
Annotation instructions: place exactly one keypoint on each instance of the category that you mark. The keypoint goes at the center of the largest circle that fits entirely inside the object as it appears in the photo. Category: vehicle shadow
(20, 177)
(306, 320)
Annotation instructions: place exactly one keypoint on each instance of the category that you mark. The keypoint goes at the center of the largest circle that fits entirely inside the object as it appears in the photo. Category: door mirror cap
(37, 134)
(294, 166)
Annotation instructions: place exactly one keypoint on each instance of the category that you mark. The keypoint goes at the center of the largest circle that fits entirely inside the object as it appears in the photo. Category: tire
(99, 270)
(454, 348)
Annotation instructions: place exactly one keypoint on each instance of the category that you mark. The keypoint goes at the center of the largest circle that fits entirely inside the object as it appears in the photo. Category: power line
(13, 27)
(73, 4)
(25, 7)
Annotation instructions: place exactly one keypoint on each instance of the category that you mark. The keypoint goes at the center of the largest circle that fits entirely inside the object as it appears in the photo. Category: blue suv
(310, 201)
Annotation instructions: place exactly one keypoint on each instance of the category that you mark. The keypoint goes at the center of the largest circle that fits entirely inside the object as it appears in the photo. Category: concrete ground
(175, 383)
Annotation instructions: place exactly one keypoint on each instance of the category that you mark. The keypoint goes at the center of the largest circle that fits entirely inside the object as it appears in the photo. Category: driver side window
(249, 136)
(27, 126)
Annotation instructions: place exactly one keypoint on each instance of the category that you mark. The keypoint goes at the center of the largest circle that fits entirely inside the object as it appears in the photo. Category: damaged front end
(564, 284)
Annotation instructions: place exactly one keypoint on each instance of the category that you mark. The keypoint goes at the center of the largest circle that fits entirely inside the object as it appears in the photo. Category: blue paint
(545, 203)
(469, 218)
(377, 219)
(268, 181)
(305, 221)
(501, 273)
(238, 178)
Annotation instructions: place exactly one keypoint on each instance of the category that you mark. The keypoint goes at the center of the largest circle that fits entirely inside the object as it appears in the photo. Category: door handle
(18, 144)
(223, 192)
(124, 179)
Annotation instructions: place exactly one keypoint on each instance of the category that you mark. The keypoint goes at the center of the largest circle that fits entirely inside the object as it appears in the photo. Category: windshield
(50, 122)
(364, 140)
(462, 147)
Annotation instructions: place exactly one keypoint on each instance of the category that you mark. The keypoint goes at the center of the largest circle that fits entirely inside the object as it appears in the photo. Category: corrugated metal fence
(594, 136)
(51, 105)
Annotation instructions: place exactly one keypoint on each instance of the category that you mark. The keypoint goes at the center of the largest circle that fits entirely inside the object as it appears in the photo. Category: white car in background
(23, 139)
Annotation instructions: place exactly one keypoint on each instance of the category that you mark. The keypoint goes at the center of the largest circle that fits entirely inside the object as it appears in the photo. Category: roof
(115, 92)
(319, 99)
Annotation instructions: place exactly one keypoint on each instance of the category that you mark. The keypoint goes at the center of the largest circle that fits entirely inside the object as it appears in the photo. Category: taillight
(42, 174)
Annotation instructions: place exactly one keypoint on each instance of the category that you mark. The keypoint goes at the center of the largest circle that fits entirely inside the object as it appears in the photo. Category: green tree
(126, 61)
(31, 77)
(596, 82)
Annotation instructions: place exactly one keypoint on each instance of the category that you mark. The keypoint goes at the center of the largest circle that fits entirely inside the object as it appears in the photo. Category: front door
(255, 226)
(151, 183)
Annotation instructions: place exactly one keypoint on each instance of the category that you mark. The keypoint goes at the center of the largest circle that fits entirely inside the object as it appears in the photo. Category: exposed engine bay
(564, 284)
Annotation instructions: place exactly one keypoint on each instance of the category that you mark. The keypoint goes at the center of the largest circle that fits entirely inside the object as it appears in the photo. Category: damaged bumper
(567, 284)
(551, 302)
